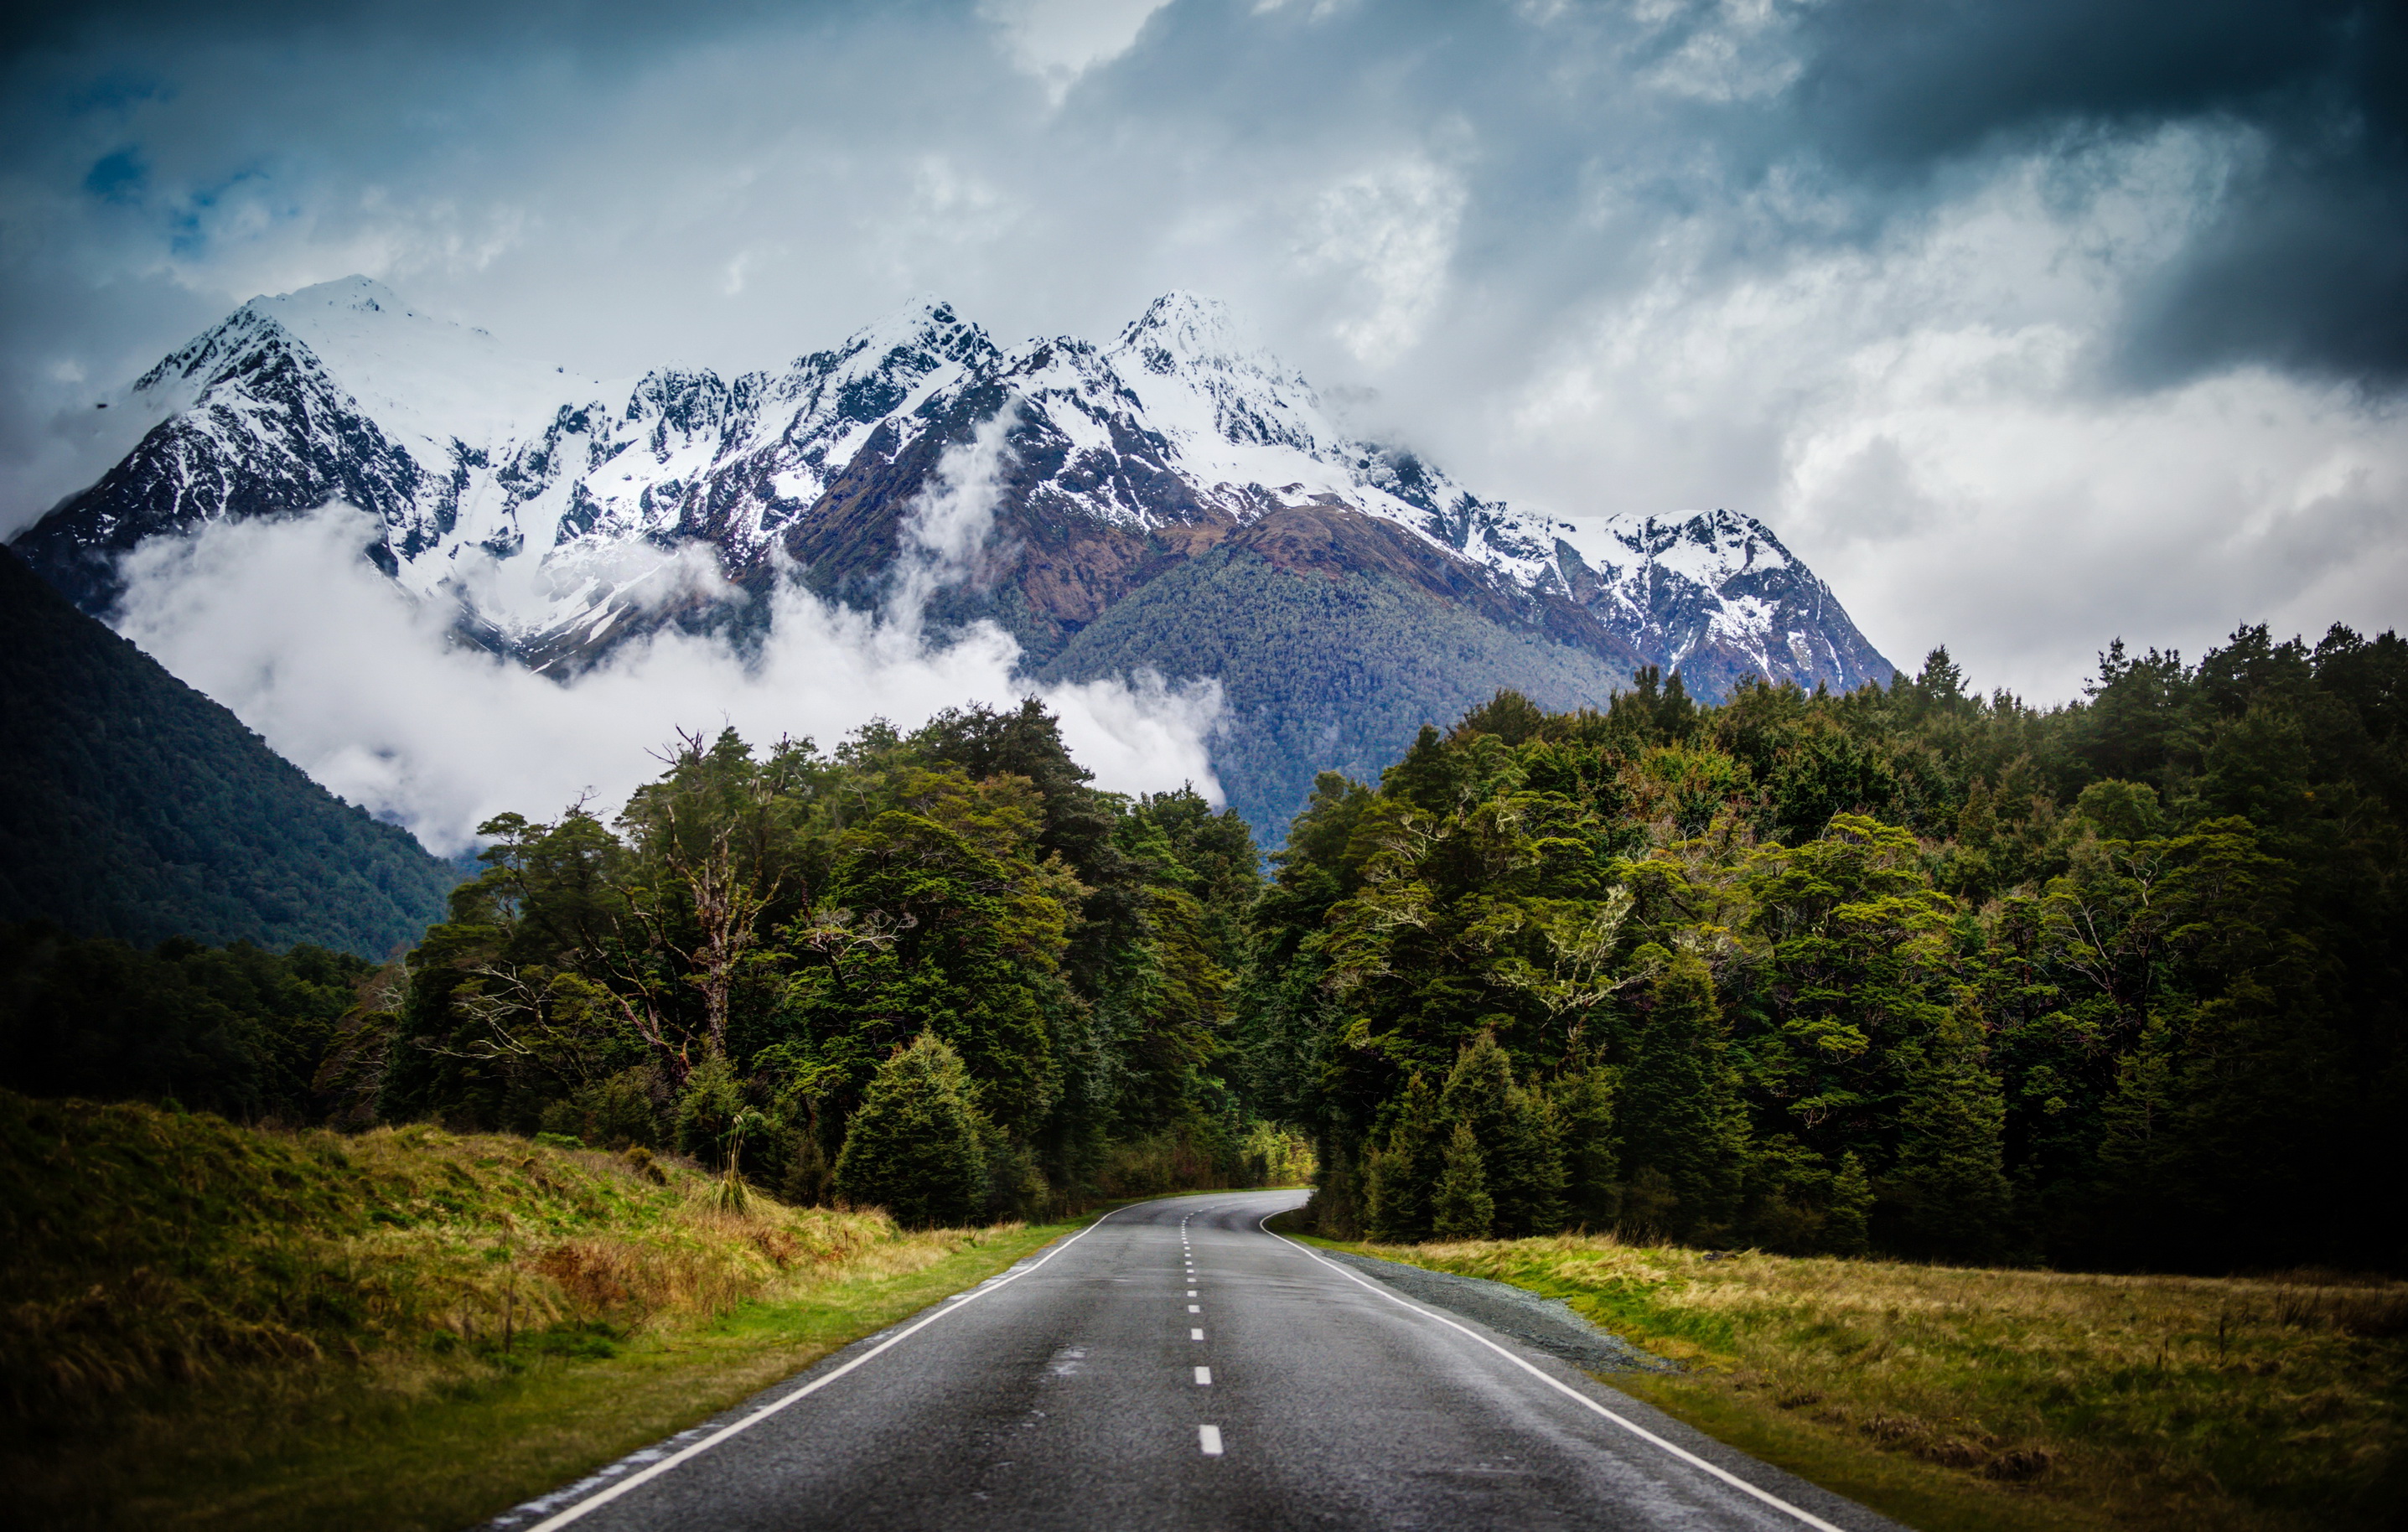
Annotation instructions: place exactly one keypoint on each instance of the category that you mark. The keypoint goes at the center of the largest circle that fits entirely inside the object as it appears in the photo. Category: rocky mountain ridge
(563, 515)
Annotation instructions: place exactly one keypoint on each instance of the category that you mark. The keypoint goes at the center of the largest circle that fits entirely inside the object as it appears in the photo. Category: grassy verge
(206, 1325)
(1977, 1399)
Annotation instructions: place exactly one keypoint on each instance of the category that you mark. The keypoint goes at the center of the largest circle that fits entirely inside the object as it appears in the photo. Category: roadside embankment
(203, 1324)
(1991, 1398)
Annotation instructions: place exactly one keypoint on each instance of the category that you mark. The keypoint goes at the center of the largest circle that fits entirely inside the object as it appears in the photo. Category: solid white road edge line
(1734, 1480)
(603, 1497)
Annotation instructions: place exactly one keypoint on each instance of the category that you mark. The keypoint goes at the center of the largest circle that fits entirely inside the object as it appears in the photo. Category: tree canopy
(2112, 984)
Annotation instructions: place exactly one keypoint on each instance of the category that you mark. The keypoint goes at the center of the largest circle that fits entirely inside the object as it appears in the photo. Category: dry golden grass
(2031, 1397)
(142, 1250)
(207, 1324)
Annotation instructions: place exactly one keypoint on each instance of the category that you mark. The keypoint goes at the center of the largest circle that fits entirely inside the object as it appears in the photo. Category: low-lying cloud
(366, 689)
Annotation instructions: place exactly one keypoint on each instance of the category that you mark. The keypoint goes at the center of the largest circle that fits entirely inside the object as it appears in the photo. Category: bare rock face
(1043, 488)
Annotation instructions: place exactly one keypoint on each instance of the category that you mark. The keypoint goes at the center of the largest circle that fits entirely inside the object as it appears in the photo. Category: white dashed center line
(1208, 1438)
(1191, 1292)
(1195, 1335)
(1203, 1376)
(1195, 1309)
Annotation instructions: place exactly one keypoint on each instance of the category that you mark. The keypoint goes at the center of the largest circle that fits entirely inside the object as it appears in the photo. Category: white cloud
(343, 674)
(946, 529)
(1388, 233)
(1923, 421)
(1059, 40)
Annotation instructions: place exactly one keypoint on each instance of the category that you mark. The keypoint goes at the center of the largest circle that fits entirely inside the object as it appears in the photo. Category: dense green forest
(2113, 984)
(236, 1030)
(939, 972)
(131, 805)
(2117, 983)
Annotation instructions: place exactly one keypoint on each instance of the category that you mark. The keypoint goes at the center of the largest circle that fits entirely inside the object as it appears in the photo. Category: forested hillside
(1337, 669)
(133, 806)
(938, 973)
(2118, 983)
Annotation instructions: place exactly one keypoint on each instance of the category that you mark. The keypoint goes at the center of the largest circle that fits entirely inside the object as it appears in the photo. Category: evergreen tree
(1680, 1101)
(913, 1147)
(1846, 1229)
(1533, 1151)
(1950, 1180)
(1461, 1208)
(807, 1177)
(1524, 1166)
(1592, 1173)
(1400, 1177)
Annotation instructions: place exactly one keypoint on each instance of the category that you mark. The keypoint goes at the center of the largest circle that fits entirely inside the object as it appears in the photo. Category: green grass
(1971, 1398)
(208, 1326)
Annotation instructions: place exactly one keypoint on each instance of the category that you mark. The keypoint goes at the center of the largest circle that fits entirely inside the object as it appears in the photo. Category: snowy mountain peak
(926, 323)
(356, 293)
(544, 502)
(1176, 501)
(1183, 329)
(1201, 374)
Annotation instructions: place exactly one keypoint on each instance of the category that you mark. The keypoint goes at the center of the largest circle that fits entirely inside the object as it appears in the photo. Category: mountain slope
(1320, 673)
(919, 465)
(131, 805)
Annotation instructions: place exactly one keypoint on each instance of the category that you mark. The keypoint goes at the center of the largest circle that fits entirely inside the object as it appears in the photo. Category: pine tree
(1679, 1106)
(1950, 1180)
(913, 1147)
(1532, 1152)
(1592, 1173)
(1398, 1178)
(1462, 1208)
(1845, 1227)
(1523, 1159)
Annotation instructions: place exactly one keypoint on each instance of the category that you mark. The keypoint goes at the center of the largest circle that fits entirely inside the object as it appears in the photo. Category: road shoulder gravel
(1547, 1325)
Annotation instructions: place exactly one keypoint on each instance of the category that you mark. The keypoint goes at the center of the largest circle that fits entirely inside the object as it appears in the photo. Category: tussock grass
(202, 1324)
(1985, 1398)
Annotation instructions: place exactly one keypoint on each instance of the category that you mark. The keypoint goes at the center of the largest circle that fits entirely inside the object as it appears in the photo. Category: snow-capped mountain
(561, 513)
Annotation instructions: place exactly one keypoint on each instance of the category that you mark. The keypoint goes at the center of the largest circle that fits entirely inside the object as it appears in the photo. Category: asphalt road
(1174, 1366)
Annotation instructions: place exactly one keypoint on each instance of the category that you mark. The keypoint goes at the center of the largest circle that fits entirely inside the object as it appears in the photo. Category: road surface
(1175, 1366)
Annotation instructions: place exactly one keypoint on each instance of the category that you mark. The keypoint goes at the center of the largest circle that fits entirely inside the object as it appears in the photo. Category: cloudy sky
(2028, 324)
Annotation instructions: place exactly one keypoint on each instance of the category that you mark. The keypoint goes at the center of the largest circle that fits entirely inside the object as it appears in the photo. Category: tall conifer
(1400, 1174)
(1462, 1208)
(1950, 1180)
(1846, 1227)
(1524, 1162)
(1680, 1108)
(1592, 1171)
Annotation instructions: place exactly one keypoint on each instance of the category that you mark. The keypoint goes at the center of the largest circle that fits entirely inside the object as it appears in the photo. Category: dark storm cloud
(2306, 264)
(600, 27)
